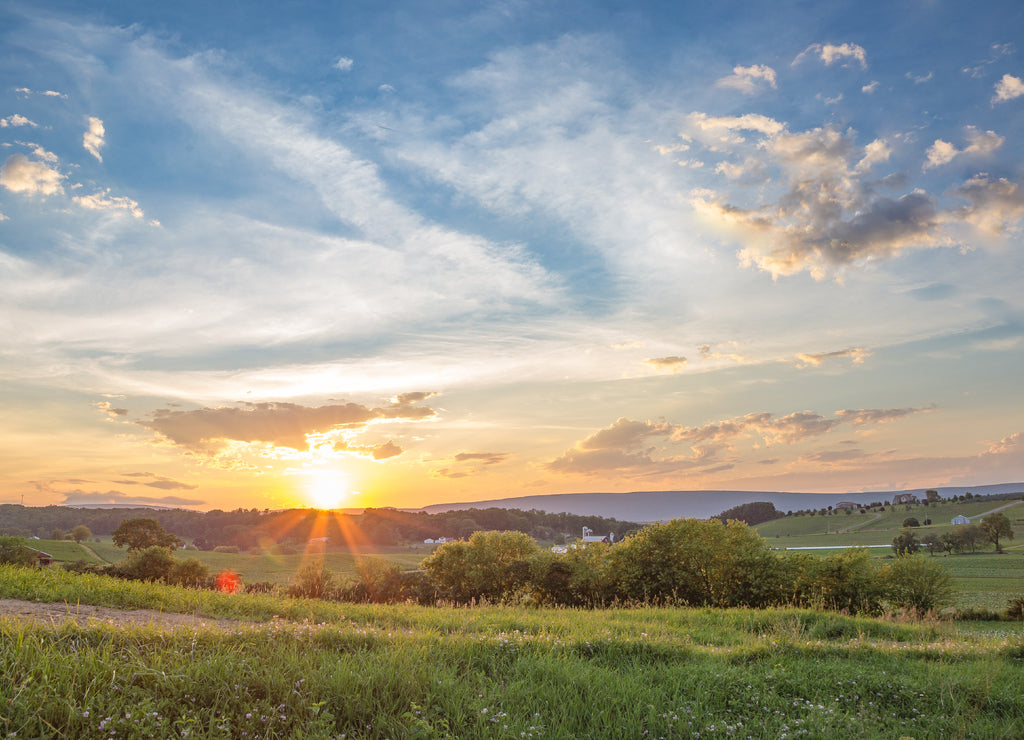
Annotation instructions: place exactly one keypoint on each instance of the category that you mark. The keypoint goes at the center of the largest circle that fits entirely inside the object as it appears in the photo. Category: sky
(350, 254)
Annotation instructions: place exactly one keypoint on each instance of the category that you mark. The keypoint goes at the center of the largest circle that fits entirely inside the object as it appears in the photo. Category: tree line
(249, 528)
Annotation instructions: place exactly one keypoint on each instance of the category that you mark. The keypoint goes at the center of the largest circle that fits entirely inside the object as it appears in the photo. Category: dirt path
(86, 614)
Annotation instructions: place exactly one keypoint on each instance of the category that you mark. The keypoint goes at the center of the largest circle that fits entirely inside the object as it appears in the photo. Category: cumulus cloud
(749, 80)
(630, 446)
(856, 354)
(344, 64)
(25, 92)
(870, 87)
(16, 120)
(672, 363)
(995, 206)
(826, 215)
(20, 174)
(979, 143)
(93, 138)
(103, 201)
(208, 431)
(1008, 88)
(835, 53)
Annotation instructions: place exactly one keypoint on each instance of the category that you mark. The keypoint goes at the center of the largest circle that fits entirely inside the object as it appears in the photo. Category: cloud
(20, 174)
(749, 80)
(344, 64)
(870, 87)
(103, 201)
(835, 53)
(826, 216)
(94, 498)
(24, 91)
(646, 447)
(387, 450)
(159, 481)
(111, 410)
(673, 363)
(1008, 88)
(93, 139)
(16, 120)
(864, 417)
(996, 206)
(920, 79)
(484, 458)
(856, 354)
(980, 143)
(209, 431)
(706, 354)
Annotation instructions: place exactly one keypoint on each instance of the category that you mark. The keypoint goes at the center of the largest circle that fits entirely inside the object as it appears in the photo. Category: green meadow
(291, 668)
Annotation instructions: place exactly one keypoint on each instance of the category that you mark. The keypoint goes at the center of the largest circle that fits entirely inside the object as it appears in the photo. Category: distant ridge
(653, 506)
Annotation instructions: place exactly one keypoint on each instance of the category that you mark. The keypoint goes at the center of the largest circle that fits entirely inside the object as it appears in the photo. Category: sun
(327, 489)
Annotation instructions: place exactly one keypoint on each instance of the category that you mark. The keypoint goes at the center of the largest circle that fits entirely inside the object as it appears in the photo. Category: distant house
(846, 505)
(43, 559)
(589, 536)
(961, 519)
(905, 498)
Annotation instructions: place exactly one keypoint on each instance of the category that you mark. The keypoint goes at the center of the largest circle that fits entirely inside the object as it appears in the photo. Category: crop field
(298, 668)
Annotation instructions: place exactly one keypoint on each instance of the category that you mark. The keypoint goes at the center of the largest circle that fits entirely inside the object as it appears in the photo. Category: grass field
(492, 672)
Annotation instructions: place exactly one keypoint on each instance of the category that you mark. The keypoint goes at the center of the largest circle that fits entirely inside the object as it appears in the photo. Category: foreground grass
(411, 672)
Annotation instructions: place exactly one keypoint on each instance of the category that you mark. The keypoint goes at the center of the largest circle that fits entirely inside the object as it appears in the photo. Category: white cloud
(103, 201)
(996, 206)
(832, 53)
(16, 120)
(870, 87)
(93, 139)
(20, 174)
(920, 79)
(344, 64)
(749, 80)
(980, 143)
(1008, 88)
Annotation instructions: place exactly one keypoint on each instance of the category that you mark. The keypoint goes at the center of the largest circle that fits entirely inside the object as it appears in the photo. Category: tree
(139, 534)
(995, 526)
(911, 521)
(81, 533)
(932, 497)
(905, 543)
(934, 543)
(13, 550)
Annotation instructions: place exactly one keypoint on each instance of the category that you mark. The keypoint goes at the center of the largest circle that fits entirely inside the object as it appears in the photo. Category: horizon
(340, 256)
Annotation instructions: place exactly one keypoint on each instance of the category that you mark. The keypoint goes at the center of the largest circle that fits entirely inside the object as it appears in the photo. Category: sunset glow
(483, 250)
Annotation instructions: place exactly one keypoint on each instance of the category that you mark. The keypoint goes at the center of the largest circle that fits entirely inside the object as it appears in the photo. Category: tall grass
(360, 671)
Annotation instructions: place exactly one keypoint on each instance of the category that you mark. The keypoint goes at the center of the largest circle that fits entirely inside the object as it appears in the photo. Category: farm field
(322, 669)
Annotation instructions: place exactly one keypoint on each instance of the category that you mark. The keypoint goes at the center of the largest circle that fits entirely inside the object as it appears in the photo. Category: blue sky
(346, 254)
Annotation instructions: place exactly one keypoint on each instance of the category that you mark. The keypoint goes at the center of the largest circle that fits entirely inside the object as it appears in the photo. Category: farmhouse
(905, 498)
(846, 505)
(961, 519)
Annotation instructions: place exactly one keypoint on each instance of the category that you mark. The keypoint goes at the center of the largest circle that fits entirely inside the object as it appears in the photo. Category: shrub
(1015, 610)
(190, 573)
(911, 521)
(845, 581)
(151, 564)
(230, 549)
(313, 581)
(916, 584)
(13, 550)
(484, 567)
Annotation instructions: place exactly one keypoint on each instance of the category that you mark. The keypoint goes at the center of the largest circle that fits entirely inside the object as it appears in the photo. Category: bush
(151, 564)
(484, 567)
(14, 551)
(189, 573)
(911, 521)
(229, 549)
(1016, 608)
(916, 584)
(313, 581)
(846, 581)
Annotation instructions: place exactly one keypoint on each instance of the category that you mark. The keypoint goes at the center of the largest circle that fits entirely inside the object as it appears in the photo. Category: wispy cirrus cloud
(857, 355)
